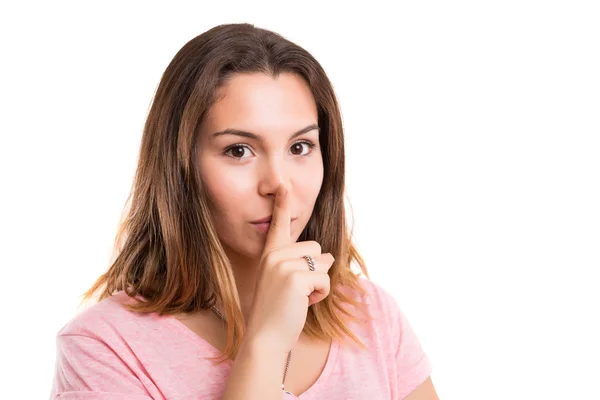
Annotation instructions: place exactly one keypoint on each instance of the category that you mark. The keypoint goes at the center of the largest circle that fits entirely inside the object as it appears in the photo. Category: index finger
(279, 228)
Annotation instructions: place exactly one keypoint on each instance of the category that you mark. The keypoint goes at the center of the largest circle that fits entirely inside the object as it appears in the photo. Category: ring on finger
(310, 261)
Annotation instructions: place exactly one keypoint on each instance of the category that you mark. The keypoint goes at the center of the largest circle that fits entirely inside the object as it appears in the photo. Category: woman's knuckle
(316, 246)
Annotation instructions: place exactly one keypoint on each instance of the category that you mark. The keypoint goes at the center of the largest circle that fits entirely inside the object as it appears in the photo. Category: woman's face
(242, 172)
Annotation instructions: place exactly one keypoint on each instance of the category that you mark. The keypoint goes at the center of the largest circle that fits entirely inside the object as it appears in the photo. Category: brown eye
(236, 151)
(297, 148)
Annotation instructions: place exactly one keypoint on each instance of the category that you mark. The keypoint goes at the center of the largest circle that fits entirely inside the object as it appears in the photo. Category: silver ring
(310, 261)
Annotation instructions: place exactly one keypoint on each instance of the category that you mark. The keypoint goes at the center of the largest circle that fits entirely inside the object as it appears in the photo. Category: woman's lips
(264, 226)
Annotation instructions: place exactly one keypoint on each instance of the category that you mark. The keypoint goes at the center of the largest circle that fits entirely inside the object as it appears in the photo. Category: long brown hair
(168, 251)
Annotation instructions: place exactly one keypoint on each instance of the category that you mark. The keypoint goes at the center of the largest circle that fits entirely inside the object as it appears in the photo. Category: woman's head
(192, 201)
(262, 133)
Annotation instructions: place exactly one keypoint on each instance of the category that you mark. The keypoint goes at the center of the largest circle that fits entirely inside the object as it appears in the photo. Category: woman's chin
(250, 249)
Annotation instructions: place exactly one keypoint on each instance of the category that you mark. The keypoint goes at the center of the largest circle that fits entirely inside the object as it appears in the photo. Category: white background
(473, 170)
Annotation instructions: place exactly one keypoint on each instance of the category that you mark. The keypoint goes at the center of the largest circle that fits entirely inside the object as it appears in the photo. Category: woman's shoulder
(377, 299)
(106, 317)
(385, 321)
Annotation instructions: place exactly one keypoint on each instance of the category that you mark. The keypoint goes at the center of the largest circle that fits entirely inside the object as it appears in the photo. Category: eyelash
(310, 145)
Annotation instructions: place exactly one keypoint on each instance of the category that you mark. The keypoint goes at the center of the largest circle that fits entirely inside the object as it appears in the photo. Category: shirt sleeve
(412, 364)
(88, 369)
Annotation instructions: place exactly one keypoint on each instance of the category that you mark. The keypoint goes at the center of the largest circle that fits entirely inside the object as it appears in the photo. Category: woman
(235, 245)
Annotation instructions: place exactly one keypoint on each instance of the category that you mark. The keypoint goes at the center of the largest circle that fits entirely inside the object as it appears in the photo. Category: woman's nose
(272, 175)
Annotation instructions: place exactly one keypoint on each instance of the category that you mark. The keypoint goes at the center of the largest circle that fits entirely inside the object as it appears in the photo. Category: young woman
(233, 278)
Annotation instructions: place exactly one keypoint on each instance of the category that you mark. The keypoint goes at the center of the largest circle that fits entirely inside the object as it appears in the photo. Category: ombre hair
(167, 250)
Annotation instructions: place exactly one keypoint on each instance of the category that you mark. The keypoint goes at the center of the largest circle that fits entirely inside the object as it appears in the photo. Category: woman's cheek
(315, 178)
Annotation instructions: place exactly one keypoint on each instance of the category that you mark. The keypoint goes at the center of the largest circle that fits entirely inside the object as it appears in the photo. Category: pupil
(297, 146)
(239, 151)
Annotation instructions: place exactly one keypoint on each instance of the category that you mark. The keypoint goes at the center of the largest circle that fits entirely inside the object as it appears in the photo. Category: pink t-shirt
(109, 353)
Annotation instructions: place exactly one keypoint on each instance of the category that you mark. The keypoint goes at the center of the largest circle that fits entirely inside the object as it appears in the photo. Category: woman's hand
(286, 287)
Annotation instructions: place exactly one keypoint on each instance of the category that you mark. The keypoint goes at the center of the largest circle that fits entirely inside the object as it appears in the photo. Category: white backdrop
(473, 170)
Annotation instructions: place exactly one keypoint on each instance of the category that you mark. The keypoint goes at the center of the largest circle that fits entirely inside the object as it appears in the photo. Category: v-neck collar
(332, 356)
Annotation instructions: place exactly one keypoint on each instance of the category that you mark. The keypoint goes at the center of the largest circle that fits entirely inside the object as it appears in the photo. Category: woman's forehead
(262, 103)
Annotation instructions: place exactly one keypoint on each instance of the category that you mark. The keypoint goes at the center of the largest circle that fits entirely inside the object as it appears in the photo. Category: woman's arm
(86, 368)
(256, 373)
(425, 391)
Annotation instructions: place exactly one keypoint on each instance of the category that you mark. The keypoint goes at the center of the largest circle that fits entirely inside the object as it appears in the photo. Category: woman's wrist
(262, 348)
(257, 372)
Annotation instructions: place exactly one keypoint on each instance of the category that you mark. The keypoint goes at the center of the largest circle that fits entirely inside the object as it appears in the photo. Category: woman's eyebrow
(237, 132)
